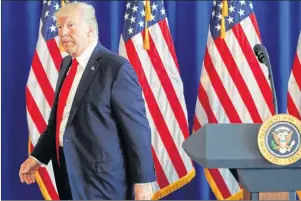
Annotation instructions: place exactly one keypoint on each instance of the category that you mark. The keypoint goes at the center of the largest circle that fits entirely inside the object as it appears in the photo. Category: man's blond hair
(88, 13)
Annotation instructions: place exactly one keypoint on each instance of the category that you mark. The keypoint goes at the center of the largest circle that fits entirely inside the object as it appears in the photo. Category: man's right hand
(28, 170)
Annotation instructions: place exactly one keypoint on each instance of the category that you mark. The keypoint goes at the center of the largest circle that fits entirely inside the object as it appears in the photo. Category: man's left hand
(143, 191)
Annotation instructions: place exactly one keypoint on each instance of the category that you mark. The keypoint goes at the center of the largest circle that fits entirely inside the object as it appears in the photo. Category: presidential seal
(279, 139)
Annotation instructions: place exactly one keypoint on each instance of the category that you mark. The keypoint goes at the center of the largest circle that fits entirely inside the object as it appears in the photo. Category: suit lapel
(89, 72)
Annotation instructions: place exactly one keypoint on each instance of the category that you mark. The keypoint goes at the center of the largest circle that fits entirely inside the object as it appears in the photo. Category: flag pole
(147, 19)
(224, 14)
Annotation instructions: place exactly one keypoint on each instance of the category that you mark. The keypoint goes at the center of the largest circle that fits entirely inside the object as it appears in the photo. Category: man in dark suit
(98, 136)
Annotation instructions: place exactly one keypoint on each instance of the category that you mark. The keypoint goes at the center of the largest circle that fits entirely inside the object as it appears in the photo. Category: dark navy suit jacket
(107, 141)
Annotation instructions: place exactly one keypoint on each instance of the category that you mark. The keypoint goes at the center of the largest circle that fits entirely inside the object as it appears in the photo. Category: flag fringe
(39, 180)
(299, 194)
(236, 196)
(215, 190)
(174, 186)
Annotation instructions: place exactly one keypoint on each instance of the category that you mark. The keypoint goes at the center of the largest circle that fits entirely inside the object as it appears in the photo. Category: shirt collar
(83, 59)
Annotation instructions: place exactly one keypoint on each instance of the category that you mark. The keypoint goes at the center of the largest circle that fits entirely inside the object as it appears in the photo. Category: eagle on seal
(283, 140)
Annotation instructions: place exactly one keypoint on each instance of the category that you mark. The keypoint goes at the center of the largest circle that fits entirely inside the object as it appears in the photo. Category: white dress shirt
(82, 63)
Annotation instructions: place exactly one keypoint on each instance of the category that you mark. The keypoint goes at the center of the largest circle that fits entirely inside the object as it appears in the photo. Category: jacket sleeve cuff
(41, 164)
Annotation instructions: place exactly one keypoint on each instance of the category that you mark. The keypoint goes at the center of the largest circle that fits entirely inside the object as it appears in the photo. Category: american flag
(234, 86)
(158, 73)
(294, 85)
(294, 88)
(40, 89)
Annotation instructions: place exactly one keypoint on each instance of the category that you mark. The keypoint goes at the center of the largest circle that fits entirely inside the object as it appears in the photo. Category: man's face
(73, 33)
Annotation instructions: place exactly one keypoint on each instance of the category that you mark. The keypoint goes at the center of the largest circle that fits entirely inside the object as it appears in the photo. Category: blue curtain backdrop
(279, 23)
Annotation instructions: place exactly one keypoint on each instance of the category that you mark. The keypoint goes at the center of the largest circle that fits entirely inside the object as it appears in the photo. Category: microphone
(263, 57)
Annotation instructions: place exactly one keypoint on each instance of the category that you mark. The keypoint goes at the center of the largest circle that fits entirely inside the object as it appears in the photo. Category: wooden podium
(235, 146)
(271, 196)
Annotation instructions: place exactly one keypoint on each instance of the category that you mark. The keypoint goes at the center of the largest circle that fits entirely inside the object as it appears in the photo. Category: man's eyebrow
(68, 22)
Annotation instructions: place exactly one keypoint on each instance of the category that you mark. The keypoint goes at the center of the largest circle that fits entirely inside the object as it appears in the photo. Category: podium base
(269, 195)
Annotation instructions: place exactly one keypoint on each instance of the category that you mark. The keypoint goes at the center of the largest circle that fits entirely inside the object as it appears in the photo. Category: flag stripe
(155, 111)
(294, 85)
(220, 90)
(229, 180)
(294, 90)
(295, 93)
(153, 57)
(168, 87)
(34, 112)
(247, 76)
(55, 53)
(42, 79)
(299, 47)
(34, 135)
(167, 37)
(165, 106)
(47, 61)
(237, 78)
(292, 109)
(203, 98)
(160, 175)
(219, 174)
(169, 61)
(235, 82)
(40, 92)
(157, 145)
(230, 87)
(200, 114)
(161, 99)
(46, 180)
(35, 89)
(297, 70)
(214, 102)
(161, 152)
(196, 124)
(163, 42)
(171, 75)
(252, 61)
(252, 18)
(218, 179)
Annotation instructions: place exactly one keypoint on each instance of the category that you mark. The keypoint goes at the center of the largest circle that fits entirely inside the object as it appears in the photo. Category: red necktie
(62, 102)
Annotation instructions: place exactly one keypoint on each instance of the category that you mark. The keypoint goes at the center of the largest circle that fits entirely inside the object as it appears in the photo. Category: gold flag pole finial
(224, 14)
(147, 19)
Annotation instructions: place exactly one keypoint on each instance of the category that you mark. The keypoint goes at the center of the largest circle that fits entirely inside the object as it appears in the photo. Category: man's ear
(91, 30)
